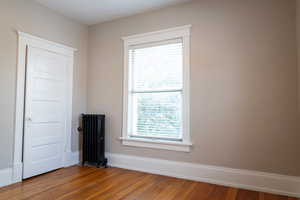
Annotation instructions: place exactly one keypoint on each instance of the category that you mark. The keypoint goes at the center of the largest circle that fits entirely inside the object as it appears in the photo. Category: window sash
(132, 67)
(131, 122)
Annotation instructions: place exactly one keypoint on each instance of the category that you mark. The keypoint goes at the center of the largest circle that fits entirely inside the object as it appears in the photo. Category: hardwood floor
(115, 184)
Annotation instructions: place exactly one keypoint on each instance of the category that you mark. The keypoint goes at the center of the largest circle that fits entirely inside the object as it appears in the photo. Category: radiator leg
(98, 165)
(105, 163)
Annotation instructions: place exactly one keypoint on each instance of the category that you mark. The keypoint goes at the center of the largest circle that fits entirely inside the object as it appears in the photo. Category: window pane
(157, 115)
(158, 67)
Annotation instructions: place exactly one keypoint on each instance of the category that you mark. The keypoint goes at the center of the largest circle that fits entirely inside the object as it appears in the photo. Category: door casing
(24, 41)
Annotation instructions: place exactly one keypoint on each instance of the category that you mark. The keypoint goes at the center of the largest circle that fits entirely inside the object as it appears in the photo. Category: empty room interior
(150, 99)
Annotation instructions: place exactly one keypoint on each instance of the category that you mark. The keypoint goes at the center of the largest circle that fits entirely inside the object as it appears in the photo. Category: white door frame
(24, 41)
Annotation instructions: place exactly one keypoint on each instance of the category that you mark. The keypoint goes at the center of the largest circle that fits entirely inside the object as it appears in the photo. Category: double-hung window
(156, 90)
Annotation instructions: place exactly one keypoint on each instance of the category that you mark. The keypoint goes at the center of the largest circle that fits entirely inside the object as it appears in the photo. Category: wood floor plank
(232, 194)
(186, 190)
(261, 196)
(218, 193)
(113, 191)
(292, 198)
(154, 190)
(127, 189)
(86, 183)
(170, 191)
(201, 191)
(274, 197)
(247, 195)
(266, 196)
(142, 188)
(99, 186)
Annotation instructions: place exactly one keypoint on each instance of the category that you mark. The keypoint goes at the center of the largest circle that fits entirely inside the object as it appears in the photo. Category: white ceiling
(95, 11)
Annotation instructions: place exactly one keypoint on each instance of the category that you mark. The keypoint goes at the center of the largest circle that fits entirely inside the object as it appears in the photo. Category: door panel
(42, 152)
(44, 88)
(45, 111)
(49, 130)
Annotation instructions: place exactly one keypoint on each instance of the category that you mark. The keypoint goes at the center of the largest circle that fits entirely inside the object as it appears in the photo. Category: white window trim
(167, 34)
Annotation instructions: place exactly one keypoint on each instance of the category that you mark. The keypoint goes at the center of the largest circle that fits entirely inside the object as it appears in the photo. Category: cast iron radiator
(93, 128)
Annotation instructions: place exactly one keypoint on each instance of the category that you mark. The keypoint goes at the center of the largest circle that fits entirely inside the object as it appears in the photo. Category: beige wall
(29, 17)
(298, 55)
(243, 81)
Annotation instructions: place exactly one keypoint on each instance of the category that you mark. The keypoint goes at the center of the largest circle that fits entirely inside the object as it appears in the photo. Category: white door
(45, 111)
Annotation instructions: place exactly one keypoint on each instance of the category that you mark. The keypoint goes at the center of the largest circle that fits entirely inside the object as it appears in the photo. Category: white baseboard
(245, 179)
(72, 158)
(5, 177)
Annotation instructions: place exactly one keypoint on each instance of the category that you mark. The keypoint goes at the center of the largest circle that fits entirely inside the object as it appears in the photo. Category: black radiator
(93, 128)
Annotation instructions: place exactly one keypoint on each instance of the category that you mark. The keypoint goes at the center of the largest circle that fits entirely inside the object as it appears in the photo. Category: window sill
(157, 144)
